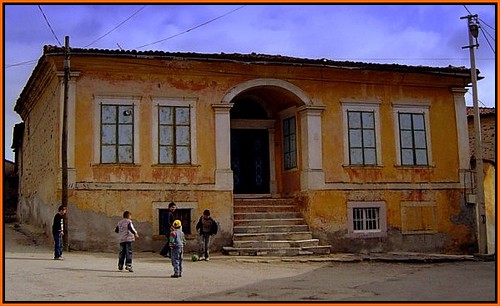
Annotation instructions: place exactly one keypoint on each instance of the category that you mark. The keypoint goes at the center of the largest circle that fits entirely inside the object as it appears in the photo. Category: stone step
(272, 236)
(275, 244)
(317, 250)
(267, 215)
(264, 201)
(270, 228)
(263, 208)
(269, 222)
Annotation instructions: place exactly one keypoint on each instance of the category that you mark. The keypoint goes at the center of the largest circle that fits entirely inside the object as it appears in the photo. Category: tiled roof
(483, 111)
(262, 59)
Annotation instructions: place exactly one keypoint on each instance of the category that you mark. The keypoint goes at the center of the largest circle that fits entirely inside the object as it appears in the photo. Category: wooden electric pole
(473, 29)
(64, 141)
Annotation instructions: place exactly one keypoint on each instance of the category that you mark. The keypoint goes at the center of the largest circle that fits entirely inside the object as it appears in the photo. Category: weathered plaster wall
(490, 193)
(326, 214)
(94, 213)
(40, 174)
(488, 136)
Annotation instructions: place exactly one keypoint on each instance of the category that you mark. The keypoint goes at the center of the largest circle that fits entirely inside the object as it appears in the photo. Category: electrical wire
(483, 22)
(190, 29)
(21, 63)
(467, 9)
(477, 99)
(48, 23)
(491, 47)
(486, 31)
(116, 27)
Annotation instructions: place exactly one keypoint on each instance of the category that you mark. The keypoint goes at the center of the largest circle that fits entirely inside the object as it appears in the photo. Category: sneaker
(201, 258)
(175, 276)
(58, 258)
(206, 259)
(129, 269)
(120, 267)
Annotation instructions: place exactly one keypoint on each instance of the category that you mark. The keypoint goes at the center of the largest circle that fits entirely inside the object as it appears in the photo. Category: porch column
(311, 150)
(462, 134)
(223, 172)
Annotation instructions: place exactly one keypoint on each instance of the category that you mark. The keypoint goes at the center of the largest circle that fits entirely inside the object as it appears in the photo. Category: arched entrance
(265, 105)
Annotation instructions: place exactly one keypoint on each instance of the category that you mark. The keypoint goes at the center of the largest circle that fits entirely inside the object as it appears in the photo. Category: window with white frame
(362, 126)
(289, 143)
(367, 219)
(174, 131)
(116, 120)
(412, 139)
(412, 136)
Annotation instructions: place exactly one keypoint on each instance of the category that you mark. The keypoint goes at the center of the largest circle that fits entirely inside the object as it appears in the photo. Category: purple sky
(429, 35)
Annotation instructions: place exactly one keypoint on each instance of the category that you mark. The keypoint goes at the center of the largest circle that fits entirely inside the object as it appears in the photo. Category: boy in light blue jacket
(177, 242)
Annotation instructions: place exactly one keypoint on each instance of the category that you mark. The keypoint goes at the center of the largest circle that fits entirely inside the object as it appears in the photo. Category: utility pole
(473, 29)
(64, 140)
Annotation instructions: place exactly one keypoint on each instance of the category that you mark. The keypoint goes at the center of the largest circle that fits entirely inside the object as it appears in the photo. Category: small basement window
(183, 214)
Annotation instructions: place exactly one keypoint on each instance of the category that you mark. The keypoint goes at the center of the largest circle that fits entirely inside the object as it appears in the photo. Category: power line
(467, 9)
(48, 23)
(190, 29)
(491, 47)
(486, 31)
(119, 25)
(482, 22)
(20, 64)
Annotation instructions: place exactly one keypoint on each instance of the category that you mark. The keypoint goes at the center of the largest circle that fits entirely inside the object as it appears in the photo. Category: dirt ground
(31, 275)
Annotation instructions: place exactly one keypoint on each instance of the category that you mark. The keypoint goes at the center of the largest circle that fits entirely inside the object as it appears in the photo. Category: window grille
(366, 219)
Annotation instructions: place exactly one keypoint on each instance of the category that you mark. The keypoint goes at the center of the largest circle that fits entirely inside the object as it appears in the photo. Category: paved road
(30, 275)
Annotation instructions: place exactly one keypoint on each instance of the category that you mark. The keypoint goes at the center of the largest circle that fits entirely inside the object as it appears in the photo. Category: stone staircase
(271, 227)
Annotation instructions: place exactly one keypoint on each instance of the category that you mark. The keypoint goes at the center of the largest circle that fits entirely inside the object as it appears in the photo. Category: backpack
(214, 227)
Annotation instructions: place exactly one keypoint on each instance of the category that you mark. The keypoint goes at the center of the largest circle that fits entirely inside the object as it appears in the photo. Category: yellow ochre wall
(103, 192)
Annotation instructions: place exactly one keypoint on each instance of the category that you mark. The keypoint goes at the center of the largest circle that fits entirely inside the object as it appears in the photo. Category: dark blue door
(250, 160)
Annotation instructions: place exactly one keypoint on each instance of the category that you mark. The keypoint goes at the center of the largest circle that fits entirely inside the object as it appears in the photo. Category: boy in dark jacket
(206, 227)
(58, 232)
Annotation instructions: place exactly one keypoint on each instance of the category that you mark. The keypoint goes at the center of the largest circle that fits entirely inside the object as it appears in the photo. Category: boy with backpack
(206, 227)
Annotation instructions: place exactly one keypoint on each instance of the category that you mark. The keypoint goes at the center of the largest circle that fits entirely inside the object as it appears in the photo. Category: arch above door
(242, 87)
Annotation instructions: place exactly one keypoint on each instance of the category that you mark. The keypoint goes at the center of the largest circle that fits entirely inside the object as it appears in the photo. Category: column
(312, 175)
(223, 172)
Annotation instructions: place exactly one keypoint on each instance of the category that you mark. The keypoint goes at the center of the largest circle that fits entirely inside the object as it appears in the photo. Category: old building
(489, 145)
(10, 190)
(369, 156)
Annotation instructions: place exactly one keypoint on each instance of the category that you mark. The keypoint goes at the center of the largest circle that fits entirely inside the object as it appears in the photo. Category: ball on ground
(194, 257)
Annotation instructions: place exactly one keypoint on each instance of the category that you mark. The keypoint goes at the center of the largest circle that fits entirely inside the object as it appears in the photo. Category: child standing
(177, 242)
(206, 227)
(58, 232)
(126, 235)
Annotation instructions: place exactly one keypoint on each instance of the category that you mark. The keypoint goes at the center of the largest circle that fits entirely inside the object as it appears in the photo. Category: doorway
(250, 160)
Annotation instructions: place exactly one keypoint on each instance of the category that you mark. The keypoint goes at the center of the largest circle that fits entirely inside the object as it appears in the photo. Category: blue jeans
(176, 254)
(58, 249)
(204, 245)
(125, 255)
